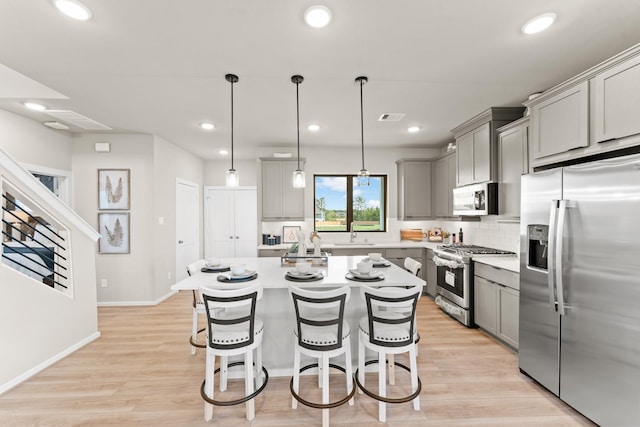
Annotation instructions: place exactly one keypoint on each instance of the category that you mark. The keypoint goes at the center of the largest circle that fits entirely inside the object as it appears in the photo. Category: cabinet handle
(237, 237)
(231, 237)
(180, 242)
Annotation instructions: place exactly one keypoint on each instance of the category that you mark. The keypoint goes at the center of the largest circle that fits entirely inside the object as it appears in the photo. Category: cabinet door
(452, 184)
(464, 158)
(512, 153)
(617, 101)
(245, 223)
(432, 274)
(509, 310)
(219, 211)
(561, 123)
(272, 196)
(440, 187)
(485, 304)
(415, 200)
(482, 153)
(293, 198)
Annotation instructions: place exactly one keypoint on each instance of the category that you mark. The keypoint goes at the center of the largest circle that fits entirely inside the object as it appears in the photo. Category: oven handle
(442, 262)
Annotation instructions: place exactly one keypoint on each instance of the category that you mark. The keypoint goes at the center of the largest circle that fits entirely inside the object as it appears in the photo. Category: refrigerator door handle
(562, 213)
(551, 267)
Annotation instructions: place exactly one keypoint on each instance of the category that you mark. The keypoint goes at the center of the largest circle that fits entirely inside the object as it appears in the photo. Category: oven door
(453, 281)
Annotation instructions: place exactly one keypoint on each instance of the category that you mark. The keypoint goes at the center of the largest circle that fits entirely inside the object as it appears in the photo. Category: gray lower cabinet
(356, 251)
(432, 273)
(271, 252)
(496, 302)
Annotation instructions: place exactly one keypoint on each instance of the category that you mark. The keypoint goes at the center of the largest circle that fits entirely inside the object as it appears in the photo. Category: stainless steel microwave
(476, 199)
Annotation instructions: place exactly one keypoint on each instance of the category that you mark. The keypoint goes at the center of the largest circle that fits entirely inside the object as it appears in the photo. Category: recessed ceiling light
(34, 106)
(223, 152)
(317, 16)
(207, 126)
(313, 128)
(73, 9)
(413, 129)
(539, 23)
(56, 125)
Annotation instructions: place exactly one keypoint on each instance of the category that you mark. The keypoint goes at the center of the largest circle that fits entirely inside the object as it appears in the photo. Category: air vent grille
(391, 117)
(76, 119)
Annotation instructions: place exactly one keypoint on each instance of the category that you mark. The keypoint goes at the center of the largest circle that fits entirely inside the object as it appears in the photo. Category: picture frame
(114, 189)
(115, 232)
(289, 233)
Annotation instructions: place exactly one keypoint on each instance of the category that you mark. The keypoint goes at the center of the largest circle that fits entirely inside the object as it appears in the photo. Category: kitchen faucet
(352, 234)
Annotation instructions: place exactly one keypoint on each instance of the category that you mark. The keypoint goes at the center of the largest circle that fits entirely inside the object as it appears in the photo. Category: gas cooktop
(473, 250)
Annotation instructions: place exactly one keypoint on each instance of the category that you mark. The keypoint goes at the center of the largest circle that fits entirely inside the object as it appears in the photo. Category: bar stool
(322, 333)
(388, 329)
(198, 308)
(234, 330)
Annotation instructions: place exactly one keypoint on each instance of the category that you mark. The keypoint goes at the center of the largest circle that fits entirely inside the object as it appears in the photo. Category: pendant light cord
(232, 124)
(298, 120)
(362, 120)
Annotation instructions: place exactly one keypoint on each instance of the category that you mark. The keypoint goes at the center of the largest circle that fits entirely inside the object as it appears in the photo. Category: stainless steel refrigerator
(580, 286)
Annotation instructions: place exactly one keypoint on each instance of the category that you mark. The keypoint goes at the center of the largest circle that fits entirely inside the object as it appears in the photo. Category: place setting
(215, 265)
(237, 273)
(303, 273)
(364, 273)
(376, 260)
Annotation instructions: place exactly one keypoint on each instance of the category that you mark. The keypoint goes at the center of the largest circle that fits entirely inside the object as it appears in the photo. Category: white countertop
(511, 263)
(363, 245)
(271, 274)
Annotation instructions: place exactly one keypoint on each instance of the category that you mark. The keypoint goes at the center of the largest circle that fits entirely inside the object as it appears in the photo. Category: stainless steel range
(455, 278)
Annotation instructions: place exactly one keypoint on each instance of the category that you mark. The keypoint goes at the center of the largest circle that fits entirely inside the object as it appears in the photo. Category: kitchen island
(276, 308)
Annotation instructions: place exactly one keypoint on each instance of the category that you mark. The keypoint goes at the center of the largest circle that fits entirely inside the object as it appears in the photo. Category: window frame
(349, 219)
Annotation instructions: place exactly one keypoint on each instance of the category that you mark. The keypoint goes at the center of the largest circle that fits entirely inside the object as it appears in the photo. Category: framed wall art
(113, 189)
(289, 233)
(115, 233)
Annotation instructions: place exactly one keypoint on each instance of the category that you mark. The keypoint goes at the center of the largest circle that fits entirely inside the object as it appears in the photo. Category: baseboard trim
(42, 366)
(136, 303)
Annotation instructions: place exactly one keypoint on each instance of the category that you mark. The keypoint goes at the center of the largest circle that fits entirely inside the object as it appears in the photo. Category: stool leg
(209, 385)
(360, 364)
(325, 389)
(296, 375)
(259, 378)
(248, 383)
(349, 370)
(320, 367)
(194, 330)
(414, 376)
(392, 369)
(382, 387)
(224, 367)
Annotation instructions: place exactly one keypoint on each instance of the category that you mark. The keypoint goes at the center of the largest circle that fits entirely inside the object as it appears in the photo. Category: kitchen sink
(354, 244)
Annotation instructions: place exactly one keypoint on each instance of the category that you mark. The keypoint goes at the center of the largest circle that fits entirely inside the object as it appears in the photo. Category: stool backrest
(229, 307)
(320, 317)
(195, 267)
(412, 266)
(391, 308)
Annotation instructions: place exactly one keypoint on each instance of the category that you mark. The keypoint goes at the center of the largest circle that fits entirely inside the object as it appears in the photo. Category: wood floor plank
(141, 372)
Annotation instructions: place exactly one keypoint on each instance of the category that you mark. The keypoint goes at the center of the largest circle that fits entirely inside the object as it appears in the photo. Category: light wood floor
(141, 372)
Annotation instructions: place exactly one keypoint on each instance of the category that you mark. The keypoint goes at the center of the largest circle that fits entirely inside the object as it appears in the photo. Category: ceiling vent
(391, 117)
(76, 119)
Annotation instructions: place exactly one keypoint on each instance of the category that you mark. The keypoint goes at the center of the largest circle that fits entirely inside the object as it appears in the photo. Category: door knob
(231, 237)
(237, 237)
(180, 242)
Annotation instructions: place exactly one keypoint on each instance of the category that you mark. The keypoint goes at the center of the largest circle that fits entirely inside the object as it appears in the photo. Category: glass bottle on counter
(460, 236)
(453, 238)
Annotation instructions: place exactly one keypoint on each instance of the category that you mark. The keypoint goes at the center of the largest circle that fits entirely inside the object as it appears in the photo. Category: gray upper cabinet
(560, 122)
(414, 189)
(280, 201)
(443, 183)
(514, 162)
(476, 141)
(617, 101)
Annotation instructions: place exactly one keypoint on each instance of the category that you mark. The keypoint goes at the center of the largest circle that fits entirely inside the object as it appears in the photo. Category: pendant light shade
(363, 175)
(298, 174)
(233, 180)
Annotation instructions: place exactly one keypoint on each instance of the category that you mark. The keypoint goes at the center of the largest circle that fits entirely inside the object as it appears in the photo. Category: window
(339, 202)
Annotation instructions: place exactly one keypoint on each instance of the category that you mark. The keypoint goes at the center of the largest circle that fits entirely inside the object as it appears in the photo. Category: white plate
(374, 274)
(310, 273)
(245, 275)
(217, 266)
(382, 262)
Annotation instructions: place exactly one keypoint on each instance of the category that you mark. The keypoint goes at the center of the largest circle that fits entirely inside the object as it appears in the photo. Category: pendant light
(233, 180)
(298, 174)
(363, 175)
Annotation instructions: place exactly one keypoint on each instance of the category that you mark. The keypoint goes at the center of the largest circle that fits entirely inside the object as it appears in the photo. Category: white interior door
(231, 222)
(187, 227)
(246, 222)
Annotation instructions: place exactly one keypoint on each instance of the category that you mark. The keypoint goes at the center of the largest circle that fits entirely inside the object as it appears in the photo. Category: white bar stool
(234, 330)
(389, 328)
(322, 333)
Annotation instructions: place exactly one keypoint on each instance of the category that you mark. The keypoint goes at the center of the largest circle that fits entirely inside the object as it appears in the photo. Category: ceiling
(158, 66)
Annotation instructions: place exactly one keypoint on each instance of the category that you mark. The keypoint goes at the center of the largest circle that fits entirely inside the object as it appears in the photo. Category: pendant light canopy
(298, 174)
(233, 180)
(363, 175)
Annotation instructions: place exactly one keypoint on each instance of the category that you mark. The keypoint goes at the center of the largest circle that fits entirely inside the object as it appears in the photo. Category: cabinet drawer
(415, 253)
(271, 252)
(497, 275)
